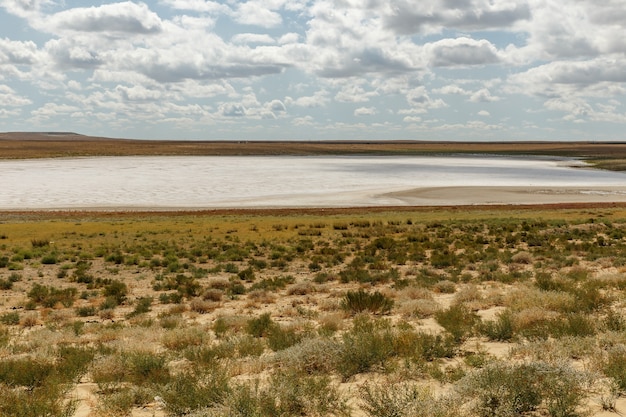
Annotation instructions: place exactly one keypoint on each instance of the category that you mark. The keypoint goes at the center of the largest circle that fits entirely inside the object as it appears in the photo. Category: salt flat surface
(285, 181)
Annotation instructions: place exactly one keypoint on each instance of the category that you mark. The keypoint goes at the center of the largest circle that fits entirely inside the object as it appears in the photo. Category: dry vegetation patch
(474, 313)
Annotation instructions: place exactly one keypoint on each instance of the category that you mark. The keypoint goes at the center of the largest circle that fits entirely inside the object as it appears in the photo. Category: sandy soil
(449, 196)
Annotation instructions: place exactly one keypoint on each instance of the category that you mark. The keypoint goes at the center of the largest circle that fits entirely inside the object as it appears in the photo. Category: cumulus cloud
(194, 62)
(365, 111)
(571, 78)
(17, 52)
(9, 98)
(232, 110)
(461, 52)
(483, 96)
(25, 8)
(405, 18)
(421, 102)
(138, 93)
(345, 39)
(254, 13)
(354, 93)
(251, 38)
(126, 17)
(69, 55)
(197, 5)
(319, 99)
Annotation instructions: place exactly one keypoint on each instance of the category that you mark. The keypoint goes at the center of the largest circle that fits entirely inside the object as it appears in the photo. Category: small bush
(501, 329)
(519, 389)
(146, 367)
(368, 345)
(202, 306)
(445, 287)
(280, 338)
(311, 355)
(51, 296)
(403, 400)
(260, 326)
(117, 291)
(458, 320)
(188, 392)
(142, 306)
(360, 301)
(614, 366)
(86, 311)
(11, 318)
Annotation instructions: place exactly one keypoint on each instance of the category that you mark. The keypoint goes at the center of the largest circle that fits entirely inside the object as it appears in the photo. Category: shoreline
(508, 195)
(421, 199)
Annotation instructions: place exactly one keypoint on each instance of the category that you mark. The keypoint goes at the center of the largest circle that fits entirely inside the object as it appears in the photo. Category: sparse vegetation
(264, 314)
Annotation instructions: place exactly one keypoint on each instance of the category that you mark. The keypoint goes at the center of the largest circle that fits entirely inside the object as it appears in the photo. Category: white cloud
(452, 89)
(354, 93)
(25, 8)
(319, 99)
(232, 110)
(600, 76)
(17, 52)
(303, 121)
(126, 17)
(9, 98)
(197, 5)
(248, 38)
(461, 52)
(50, 110)
(483, 96)
(315, 63)
(405, 18)
(254, 13)
(421, 102)
(365, 111)
(138, 93)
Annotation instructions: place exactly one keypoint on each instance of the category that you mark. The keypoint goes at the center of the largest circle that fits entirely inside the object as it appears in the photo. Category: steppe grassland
(490, 312)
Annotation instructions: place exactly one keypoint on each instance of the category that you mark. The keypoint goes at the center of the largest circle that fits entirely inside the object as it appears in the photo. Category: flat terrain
(514, 310)
(46, 145)
(360, 312)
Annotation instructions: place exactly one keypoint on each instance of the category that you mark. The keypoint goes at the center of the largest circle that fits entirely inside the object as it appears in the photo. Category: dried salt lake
(175, 182)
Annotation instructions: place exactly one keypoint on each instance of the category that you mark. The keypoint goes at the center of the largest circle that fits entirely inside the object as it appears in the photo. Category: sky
(480, 70)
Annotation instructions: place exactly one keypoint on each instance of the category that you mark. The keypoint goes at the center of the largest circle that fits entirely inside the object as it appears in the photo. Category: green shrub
(501, 329)
(73, 362)
(11, 318)
(44, 401)
(458, 320)
(49, 259)
(505, 390)
(614, 366)
(147, 367)
(404, 400)
(260, 326)
(116, 290)
(280, 338)
(360, 301)
(25, 372)
(291, 394)
(368, 345)
(311, 355)
(86, 311)
(51, 296)
(247, 275)
(142, 306)
(188, 392)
